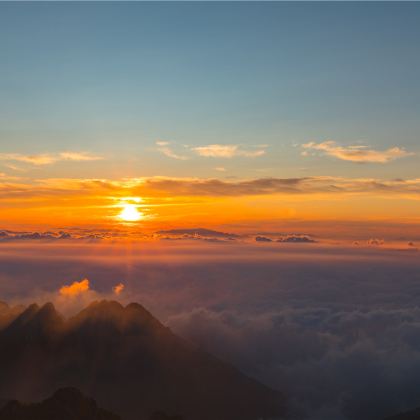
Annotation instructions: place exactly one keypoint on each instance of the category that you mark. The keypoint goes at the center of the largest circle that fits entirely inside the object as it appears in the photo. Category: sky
(248, 171)
(101, 100)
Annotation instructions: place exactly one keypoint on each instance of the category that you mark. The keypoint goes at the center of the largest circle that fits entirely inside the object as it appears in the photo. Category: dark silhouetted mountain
(128, 362)
(409, 415)
(65, 404)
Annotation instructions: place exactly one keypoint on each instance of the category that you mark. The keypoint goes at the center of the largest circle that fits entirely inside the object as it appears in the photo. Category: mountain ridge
(129, 362)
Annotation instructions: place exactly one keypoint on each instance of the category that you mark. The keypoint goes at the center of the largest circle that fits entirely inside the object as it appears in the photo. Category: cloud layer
(164, 186)
(336, 328)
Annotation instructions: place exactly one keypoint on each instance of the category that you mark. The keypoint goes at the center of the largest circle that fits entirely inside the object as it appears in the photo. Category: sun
(129, 213)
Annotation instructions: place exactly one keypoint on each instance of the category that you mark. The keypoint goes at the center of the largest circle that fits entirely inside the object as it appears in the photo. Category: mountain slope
(129, 362)
(8, 314)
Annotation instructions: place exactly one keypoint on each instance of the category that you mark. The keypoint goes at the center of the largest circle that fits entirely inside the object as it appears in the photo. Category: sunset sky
(209, 114)
(248, 171)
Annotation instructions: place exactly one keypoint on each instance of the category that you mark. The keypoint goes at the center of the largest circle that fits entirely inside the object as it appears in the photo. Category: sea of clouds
(335, 328)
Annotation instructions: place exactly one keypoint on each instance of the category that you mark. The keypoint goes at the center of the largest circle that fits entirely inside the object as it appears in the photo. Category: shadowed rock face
(65, 404)
(129, 362)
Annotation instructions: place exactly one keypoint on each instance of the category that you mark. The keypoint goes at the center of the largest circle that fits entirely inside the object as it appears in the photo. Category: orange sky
(175, 202)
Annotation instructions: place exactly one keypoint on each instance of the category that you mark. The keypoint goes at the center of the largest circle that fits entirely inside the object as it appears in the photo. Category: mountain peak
(110, 313)
(102, 310)
(48, 316)
(47, 310)
(44, 318)
(138, 315)
(98, 306)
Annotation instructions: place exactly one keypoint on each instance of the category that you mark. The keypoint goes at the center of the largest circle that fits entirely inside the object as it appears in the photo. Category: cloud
(198, 232)
(53, 236)
(293, 186)
(14, 167)
(78, 156)
(291, 239)
(327, 324)
(296, 239)
(263, 239)
(56, 188)
(220, 169)
(75, 289)
(227, 151)
(162, 143)
(356, 153)
(118, 289)
(329, 359)
(375, 242)
(48, 158)
(6, 236)
(164, 148)
(39, 159)
(6, 177)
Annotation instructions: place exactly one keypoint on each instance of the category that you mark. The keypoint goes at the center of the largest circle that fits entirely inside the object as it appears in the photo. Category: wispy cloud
(78, 156)
(48, 158)
(165, 148)
(228, 151)
(14, 167)
(356, 153)
(6, 177)
(118, 289)
(225, 151)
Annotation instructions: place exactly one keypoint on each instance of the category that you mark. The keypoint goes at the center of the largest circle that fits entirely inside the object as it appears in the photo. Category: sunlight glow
(130, 213)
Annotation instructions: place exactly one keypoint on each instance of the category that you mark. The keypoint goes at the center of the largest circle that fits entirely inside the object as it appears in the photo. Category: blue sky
(113, 78)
